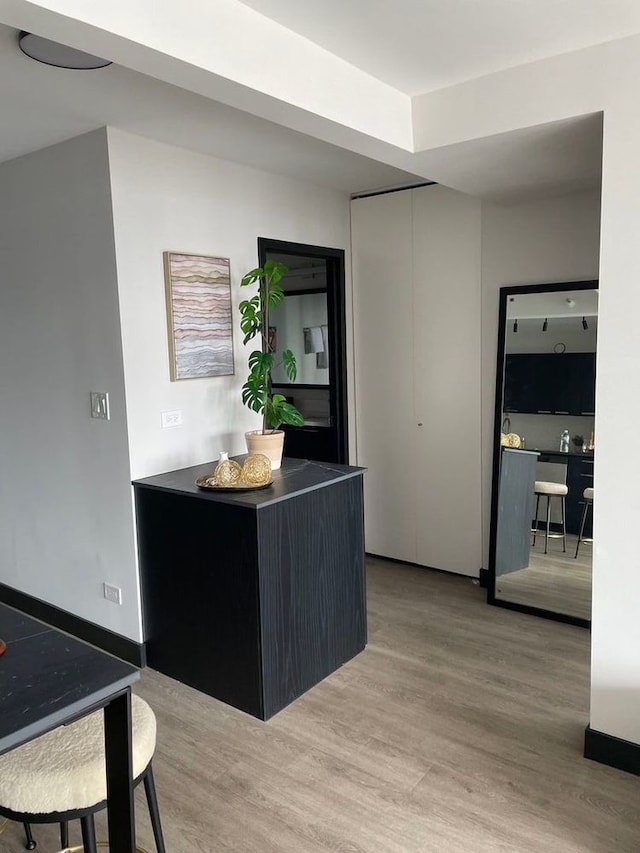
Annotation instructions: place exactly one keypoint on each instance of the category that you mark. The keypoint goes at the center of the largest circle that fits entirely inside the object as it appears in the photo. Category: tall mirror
(544, 448)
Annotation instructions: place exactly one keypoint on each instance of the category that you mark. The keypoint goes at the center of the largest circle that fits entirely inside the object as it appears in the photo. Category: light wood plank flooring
(458, 730)
(553, 581)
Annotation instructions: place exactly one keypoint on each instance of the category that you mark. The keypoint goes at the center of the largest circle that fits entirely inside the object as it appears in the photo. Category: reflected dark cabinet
(319, 443)
(549, 383)
(579, 478)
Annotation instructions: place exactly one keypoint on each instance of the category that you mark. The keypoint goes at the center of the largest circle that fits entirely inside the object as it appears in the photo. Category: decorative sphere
(227, 473)
(256, 470)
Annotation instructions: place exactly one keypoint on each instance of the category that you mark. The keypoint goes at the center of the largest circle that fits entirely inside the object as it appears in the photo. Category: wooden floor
(458, 730)
(553, 581)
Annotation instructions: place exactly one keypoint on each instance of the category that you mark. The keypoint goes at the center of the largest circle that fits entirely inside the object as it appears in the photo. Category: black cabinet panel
(253, 597)
(579, 477)
(546, 383)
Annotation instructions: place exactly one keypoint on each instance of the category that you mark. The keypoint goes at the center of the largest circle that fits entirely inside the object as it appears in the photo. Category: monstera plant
(257, 392)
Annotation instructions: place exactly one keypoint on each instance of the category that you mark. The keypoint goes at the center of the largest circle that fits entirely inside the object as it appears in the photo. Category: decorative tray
(204, 482)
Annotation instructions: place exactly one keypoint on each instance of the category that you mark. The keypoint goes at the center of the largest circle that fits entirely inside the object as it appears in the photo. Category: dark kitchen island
(253, 597)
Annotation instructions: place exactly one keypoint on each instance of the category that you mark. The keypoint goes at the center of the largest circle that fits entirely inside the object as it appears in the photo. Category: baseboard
(607, 749)
(420, 566)
(108, 641)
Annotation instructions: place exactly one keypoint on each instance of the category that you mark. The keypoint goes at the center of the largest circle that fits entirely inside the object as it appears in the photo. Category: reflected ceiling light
(515, 325)
(585, 325)
(545, 325)
(56, 54)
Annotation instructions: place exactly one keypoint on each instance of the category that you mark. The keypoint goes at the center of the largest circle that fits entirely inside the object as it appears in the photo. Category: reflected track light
(545, 325)
(585, 325)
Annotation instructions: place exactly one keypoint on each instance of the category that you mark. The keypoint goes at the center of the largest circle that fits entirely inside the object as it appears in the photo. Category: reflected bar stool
(550, 490)
(61, 776)
(588, 502)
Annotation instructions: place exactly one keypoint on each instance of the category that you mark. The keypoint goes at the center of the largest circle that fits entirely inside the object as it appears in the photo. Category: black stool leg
(154, 812)
(535, 522)
(564, 529)
(88, 834)
(31, 844)
(64, 835)
(584, 518)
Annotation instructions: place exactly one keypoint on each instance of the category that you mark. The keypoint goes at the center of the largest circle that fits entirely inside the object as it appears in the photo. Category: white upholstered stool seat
(549, 489)
(61, 776)
(65, 769)
(588, 494)
(542, 487)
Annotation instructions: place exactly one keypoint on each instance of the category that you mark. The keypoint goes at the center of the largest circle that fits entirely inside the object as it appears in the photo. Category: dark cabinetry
(546, 383)
(319, 443)
(253, 597)
(579, 477)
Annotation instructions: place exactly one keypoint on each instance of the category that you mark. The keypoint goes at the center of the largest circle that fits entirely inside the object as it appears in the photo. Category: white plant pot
(270, 445)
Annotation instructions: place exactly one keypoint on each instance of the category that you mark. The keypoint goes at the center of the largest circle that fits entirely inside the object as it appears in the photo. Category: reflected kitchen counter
(558, 455)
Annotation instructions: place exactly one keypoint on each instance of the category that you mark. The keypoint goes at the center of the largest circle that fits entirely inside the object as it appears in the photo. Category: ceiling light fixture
(56, 54)
(545, 325)
(585, 325)
(515, 325)
(570, 302)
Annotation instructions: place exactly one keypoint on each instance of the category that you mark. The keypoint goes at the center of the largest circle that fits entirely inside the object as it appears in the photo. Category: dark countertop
(295, 477)
(47, 677)
(559, 453)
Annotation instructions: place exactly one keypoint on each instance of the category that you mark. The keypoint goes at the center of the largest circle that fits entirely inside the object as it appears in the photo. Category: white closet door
(446, 357)
(383, 345)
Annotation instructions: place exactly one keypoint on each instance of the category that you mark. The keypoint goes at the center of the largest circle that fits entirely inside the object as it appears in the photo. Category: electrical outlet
(171, 419)
(112, 593)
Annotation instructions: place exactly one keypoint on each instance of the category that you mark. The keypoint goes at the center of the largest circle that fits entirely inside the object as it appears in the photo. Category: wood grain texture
(199, 594)
(459, 729)
(515, 510)
(254, 603)
(312, 591)
(555, 581)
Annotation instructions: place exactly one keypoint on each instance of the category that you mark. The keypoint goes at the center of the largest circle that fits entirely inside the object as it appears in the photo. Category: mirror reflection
(543, 544)
(299, 323)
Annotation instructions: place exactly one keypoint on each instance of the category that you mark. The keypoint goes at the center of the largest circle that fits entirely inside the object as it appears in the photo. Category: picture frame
(199, 315)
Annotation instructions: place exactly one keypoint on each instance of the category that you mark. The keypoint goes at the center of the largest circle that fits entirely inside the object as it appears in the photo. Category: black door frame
(334, 259)
(505, 293)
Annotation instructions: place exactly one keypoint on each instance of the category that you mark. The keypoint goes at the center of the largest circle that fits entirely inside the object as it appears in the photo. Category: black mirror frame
(505, 293)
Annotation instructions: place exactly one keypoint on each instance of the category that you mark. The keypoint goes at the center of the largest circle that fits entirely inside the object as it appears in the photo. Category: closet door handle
(420, 423)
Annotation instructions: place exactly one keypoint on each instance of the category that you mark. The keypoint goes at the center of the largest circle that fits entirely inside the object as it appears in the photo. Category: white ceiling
(535, 162)
(417, 46)
(553, 304)
(42, 105)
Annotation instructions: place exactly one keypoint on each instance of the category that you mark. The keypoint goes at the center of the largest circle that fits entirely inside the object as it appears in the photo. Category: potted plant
(257, 393)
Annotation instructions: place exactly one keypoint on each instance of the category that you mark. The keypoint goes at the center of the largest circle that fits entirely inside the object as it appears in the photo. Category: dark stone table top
(295, 477)
(48, 678)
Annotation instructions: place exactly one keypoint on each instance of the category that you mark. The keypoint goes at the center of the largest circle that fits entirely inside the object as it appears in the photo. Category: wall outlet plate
(100, 405)
(171, 419)
(112, 593)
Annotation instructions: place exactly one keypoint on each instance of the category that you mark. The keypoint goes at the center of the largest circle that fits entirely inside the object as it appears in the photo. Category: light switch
(100, 405)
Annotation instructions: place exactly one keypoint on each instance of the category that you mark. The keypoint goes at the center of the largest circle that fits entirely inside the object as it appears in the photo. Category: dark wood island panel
(253, 597)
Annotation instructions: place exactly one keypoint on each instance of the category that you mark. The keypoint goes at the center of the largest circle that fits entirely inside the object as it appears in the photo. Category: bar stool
(588, 502)
(550, 490)
(61, 776)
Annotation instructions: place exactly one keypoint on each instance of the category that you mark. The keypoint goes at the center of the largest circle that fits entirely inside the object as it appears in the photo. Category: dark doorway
(311, 322)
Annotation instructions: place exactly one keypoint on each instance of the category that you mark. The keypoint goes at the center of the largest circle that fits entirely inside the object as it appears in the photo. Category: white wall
(166, 198)
(65, 502)
(545, 241)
